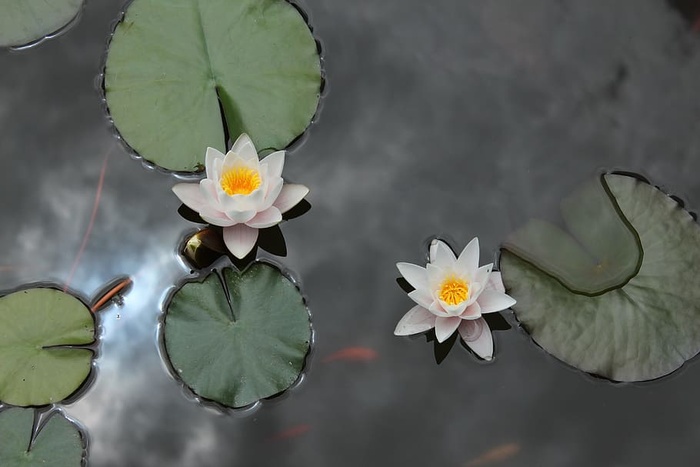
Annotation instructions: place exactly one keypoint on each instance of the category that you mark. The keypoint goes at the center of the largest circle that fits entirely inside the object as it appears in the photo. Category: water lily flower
(241, 193)
(452, 293)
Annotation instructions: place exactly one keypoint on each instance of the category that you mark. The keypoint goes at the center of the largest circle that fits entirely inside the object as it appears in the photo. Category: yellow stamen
(240, 181)
(454, 291)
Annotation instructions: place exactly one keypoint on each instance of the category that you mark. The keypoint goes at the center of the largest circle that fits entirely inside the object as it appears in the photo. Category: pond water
(448, 118)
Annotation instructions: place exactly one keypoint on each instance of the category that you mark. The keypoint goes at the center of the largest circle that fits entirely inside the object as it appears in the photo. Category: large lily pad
(238, 338)
(182, 75)
(38, 328)
(25, 21)
(643, 327)
(58, 443)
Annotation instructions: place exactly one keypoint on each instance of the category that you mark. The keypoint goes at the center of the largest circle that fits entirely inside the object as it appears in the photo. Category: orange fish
(353, 354)
(293, 432)
(498, 454)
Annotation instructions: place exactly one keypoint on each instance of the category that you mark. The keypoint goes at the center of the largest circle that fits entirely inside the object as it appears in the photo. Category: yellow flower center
(453, 291)
(240, 181)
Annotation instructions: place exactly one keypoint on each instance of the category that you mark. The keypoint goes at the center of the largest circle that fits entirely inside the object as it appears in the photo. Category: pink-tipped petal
(473, 311)
(210, 162)
(415, 275)
(191, 195)
(244, 147)
(265, 219)
(441, 255)
(454, 310)
(436, 309)
(445, 327)
(290, 195)
(422, 298)
(240, 239)
(274, 188)
(417, 320)
(495, 282)
(208, 189)
(468, 261)
(477, 335)
(216, 218)
(275, 163)
(492, 301)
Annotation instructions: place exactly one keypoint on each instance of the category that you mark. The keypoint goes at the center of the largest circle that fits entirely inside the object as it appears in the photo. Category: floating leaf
(26, 21)
(58, 442)
(641, 329)
(239, 351)
(185, 74)
(38, 326)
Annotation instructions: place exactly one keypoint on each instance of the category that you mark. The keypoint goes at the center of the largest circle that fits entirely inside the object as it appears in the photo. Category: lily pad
(640, 329)
(236, 338)
(58, 443)
(183, 75)
(26, 21)
(38, 329)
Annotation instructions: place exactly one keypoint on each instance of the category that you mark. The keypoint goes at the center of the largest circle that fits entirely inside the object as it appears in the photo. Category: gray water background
(453, 117)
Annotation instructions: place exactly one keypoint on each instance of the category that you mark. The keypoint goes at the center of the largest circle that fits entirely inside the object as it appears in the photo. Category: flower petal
(240, 217)
(471, 312)
(454, 310)
(216, 218)
(208, 189)
(436, 309)
(422, 298)
(482, 274)
(275, 163)
(477, 335)
(435, 276)
(265, 219)
(417, 320)
(240, 239)
(491, 301)
(290, 196)
(212, 155)
(274, 188)
(468, 261)
(495, 282)
(441, 255)
(415, 275)
(191, 195)
(445, 327)
(244, 147)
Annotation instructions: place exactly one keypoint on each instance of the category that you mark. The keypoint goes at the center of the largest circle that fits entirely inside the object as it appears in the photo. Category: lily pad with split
(613, 313)
(236, 338)
(39, 329)
(184, 75)
(26, 21)
(57, 442)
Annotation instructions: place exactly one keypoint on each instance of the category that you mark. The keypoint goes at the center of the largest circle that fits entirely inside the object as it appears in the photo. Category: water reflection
(430, 126)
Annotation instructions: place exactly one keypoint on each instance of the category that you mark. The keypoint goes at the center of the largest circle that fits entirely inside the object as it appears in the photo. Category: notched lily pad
(26, 21)
(640, 329)
(39, 328)
(183, 75)
(236, 338)
(58, 442)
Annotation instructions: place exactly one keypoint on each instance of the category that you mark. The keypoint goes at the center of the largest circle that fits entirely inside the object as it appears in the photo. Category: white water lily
(452, 293)
(241, 193)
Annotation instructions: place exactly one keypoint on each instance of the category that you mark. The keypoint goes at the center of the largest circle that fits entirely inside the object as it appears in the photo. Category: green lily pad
(640, 329)
(26, 21)
(58, 443)
(38, 328)
(182, 75)
(239, 351)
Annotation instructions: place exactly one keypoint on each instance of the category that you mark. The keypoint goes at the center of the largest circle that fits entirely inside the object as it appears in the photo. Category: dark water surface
(453, 117)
